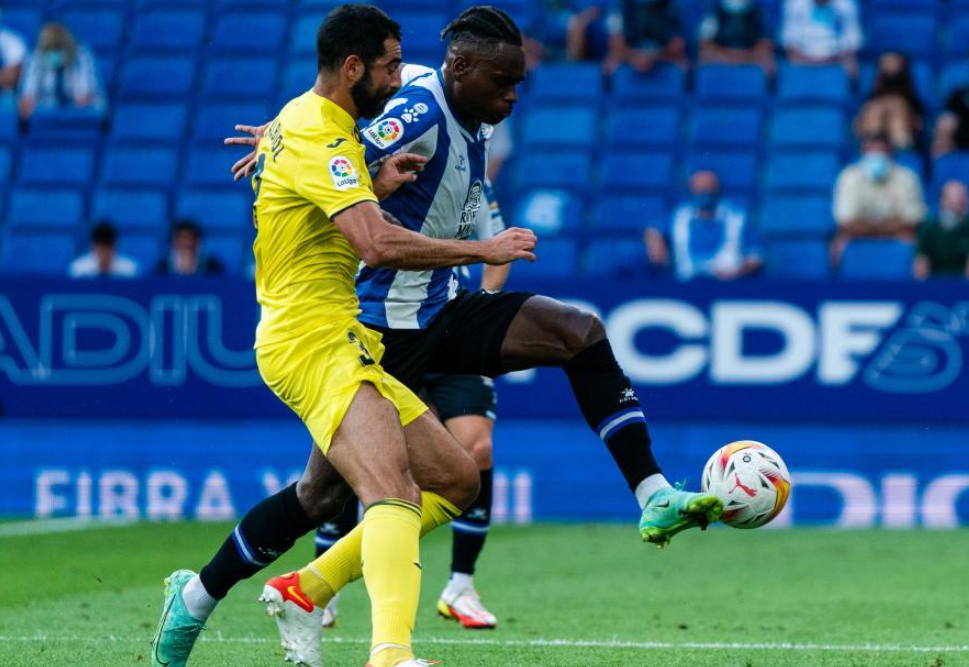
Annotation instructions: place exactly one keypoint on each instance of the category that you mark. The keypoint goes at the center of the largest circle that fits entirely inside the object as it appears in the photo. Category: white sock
(197, 600)
(457, 583)
(648, 487)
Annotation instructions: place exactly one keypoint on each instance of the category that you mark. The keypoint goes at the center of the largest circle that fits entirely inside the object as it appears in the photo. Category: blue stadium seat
(643, 128)
(100, 29)
(56, 166)
(949, 167)
(65, 125)
(562, 127)
(48, 208)
(556, 259)
(215, 121)
(912, 33)
(163, 31)
(615, 258)
(914, 161)
(217, 209)
(302, 41)
(320, 6)
(744, 84)
(6, 164)
(144, 249)
(737, 171)
(800, 84)
(9, 124)
(226, 249)
(628, 213)
(249, 32)
(795, 172)
(249, 78)
(809, 128)
(131, 209)
(570, 170)
(662, 83)
(25, 20)
(234, 5)
(958, 43)
(298, 77)
(566, 82)
(636, 173)
(954, 75)
(877, 259)
(158, 78)
(726, 128)
(137, 166)
(37, 254)
(421, 35)
(149, 122)
(797, 215)
(549, 212)
(798, 260)
(209, 167)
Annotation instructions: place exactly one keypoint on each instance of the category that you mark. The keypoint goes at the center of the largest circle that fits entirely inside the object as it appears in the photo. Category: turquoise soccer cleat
(673, 510)
(177, 629)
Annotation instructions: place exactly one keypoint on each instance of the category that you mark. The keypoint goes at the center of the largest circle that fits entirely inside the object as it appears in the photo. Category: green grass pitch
(569, 596)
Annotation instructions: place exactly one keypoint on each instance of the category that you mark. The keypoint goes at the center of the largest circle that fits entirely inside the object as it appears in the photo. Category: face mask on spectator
(876, 165)
(949, 219)
(55, 59)
(823, 13)
(705, 201)
(736, 6)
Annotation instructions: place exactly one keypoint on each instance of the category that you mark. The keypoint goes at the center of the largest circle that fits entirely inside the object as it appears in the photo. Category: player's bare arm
(384, 245)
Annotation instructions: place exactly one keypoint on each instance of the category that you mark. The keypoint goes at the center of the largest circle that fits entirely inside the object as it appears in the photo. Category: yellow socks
(392, 573)
(324, 577)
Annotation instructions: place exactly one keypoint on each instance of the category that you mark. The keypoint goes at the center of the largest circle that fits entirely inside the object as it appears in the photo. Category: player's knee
(584, 329)
(321, 502)
(465, 482)
(481, 452)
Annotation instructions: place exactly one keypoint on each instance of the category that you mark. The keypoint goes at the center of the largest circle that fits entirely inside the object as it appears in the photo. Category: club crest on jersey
(414, 112)
(386, 133)
(470, 213)
(344, 174)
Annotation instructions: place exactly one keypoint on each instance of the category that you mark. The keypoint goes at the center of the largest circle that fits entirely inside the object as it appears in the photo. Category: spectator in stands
(708, 236)
(103, 260)
(733, 33)
(822, 32)
(943, 243)
(60, 74)
(643, 33)
(13, 50)
(876, 198)
(952, 126)
(562, 29)
(893, 107)
(185, 257)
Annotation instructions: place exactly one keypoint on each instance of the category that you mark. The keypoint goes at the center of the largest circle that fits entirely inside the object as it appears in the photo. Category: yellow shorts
(319, 373)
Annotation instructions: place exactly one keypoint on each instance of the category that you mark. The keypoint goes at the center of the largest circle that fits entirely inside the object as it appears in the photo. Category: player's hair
(104, 233)
(482, 27)
(187, 225)
(353, 30)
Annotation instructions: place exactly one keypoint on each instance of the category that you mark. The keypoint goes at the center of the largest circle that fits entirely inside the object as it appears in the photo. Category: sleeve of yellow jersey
(334, 177)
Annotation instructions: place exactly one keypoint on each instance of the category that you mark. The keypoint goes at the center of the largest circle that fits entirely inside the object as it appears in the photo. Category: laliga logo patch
(343, 173)
(386, 133)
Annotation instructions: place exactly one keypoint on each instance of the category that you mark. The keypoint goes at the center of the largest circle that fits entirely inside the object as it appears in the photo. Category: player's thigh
(369, 450)
(474, 432)
(439, 463)
(547, 332)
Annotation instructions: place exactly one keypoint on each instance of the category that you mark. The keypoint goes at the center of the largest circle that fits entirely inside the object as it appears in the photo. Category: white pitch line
(218, 638)
(50, 526)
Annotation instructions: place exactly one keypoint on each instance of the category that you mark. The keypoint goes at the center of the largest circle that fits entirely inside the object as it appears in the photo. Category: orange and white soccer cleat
(465, 607)
(298, 619)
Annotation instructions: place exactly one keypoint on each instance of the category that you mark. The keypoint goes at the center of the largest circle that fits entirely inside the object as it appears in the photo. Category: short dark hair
(104, 233)
(482, 26)
(187, 225)
(353, 30)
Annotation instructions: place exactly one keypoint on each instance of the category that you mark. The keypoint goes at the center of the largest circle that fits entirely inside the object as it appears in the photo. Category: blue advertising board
(811, 352)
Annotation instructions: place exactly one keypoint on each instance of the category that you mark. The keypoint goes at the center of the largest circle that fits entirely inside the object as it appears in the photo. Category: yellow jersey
(309, 167)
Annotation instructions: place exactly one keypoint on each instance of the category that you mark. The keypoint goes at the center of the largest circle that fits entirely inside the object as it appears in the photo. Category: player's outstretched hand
(395, 171)
(512, 244)
(244, 167)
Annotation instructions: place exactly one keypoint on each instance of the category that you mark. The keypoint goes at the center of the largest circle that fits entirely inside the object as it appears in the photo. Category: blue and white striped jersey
(449, 199)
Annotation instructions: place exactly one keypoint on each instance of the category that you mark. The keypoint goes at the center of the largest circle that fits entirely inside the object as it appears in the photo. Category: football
(751, 479)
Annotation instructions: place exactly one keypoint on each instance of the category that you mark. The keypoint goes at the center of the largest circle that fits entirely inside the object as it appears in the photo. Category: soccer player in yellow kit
(316, 215)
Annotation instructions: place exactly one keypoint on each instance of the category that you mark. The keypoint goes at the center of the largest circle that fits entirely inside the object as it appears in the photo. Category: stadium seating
(549, 212)
(557, 258)
(738, 171)
(217, 210)
(628, 213)
(814, 173)
(623, 173)
(663, 83)
(244, 78)
(614, 258)
(912, 33)
(250, 33)
(124, 166)
(870, 259)
(131, 209)
(800, 84)
(560, 127)
(166, 79)
(808, 128)
(726, 128)
(643, 128)
(718, 84)
(162, 123)
(167, 31)
(797, 259)
(797, 216)
(25, 253)
(35, 208)
(568, 171)
(216, 121)
(567, 82)
(56, 167)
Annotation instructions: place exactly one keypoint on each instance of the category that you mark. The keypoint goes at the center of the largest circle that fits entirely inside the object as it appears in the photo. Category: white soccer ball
(752, 481)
